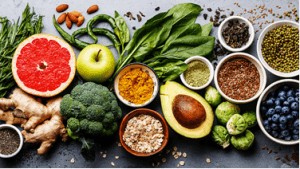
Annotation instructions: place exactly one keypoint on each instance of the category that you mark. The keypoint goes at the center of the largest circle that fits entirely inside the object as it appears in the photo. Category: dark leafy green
(168, 69)
(206, 29)
(12, 34)
(87, 149)
(123, 34)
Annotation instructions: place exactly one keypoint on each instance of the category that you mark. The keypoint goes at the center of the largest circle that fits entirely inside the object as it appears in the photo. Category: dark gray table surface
(197, 149)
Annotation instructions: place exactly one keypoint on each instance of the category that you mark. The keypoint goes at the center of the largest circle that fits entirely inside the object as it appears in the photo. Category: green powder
(197, 74)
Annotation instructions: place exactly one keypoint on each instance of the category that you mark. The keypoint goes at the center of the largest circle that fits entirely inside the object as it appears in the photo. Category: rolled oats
(144, 134)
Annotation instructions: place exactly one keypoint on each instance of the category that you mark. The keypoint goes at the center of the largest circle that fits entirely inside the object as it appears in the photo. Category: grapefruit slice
(44, 65)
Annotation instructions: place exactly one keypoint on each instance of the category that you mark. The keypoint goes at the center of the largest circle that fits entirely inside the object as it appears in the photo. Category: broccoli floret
(77, 91)
(114, 106)
(118, 114)
(112, 128)
(106, 106)
(98, 100)
(73, 124)
(88, 86)
(95, 113)
(84, 125)
(108, 118)
(95, 128)
(77, 110)
(86, 98)
(73, 135)
(65, 104)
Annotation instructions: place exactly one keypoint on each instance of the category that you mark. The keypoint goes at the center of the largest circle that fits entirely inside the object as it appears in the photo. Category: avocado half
(189, 106)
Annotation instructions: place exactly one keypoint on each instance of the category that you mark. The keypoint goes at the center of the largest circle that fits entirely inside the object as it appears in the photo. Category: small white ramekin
(211, 69)
(224, 24)
(259, 53)
(260, 69)
(2, 126)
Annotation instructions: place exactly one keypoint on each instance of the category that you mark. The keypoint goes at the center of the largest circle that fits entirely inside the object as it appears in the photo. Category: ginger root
(26, 106)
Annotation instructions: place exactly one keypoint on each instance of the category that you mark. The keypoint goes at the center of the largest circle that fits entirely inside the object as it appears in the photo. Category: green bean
(100, 31)
(101, 17)
(77, 43)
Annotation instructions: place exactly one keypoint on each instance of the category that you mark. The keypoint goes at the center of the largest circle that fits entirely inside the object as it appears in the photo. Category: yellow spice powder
(136, 86)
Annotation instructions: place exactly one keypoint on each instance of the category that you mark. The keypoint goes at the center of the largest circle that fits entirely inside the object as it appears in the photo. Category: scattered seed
(179, 154)
(288, 163)
(111, 163)
(283, 160)
(116, 157)
(153, 164)
(279, 148)
(181, 163)
(267, 147)
(164, 160)
(175, 156)
(277, 158)
(133, 28)
(274, 151)
(72, 160)
(168, 151)
(157, 8)
(139, 17)
(184, 155)
(175, 148)
(105, 152)
(209, 9)
(104, 155)
(177, 165)
(158, 163)
(269, 151)
(207, 160)
(142, 14)
(101, 152)
(205, 16)
(119, 144)
(173, 152)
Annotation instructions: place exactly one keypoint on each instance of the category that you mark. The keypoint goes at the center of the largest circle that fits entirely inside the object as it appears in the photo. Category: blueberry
(275, 118)
(297, 94)
(295, 137)
(272, 94)
(277, 102)
(290, 93)
(287, 138)
(285, 110)
(290, 126)
(295, 106)
(296, 131)
(280, 136)
(282, 98)
(263, 103)
(274, 133)
(285, 88)
(274, 126)
(282, 119)
(270, 119)
(268, 128)
(281, 93)
(290, 99)
(270, 112)
(266, 122)
(278, 109)
(295, 114)
(270, 102)
(289, 118)
(285, 133)
(282, 126)
(297, 99)
(296, 123)
(285, 103)
(263, 109)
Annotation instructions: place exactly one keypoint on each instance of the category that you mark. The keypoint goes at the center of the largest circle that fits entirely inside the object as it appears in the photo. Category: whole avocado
(225, 111)
(250, 118)
(243, 141)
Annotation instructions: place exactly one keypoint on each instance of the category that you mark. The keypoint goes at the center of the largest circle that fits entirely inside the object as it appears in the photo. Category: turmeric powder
(136, 86)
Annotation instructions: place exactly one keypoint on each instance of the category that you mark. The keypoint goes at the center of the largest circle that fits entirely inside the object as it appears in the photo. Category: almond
(61, 18)
(62, 7)
(76, 13)
(68, 22)
(92, 9)
(72, 17)
(80, 20)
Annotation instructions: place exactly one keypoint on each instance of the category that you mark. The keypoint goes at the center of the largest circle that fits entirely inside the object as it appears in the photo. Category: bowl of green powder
(199, 74)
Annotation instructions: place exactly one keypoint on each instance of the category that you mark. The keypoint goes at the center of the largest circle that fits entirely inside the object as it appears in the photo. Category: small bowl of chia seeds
(11, 141)
(278, 48)
(236, 33)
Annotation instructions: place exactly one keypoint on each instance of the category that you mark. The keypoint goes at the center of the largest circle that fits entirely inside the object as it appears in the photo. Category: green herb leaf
(206, 29)
(123, 34)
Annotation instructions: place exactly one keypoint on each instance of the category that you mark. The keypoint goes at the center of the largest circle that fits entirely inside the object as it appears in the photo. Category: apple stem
(97, 58)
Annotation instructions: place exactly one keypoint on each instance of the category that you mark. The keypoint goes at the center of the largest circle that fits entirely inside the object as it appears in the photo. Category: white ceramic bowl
(144, 68)
(260, 56)
(261, 71)
(272, 87)
(211, 69)
(2, 126)
(224, 24)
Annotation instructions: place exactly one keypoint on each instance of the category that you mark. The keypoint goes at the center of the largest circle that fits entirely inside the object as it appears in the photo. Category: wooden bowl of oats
(143, 132)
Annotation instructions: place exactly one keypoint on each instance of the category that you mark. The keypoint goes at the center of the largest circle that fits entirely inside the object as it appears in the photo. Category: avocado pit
(188, 111)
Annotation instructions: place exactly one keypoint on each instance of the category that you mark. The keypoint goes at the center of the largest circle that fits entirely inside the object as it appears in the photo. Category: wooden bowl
(137, 112)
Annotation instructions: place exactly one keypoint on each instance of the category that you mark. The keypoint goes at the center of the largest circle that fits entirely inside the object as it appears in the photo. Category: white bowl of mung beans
(278, 48)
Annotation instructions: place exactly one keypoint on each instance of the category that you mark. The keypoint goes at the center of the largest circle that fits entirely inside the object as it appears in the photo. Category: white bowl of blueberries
(277, 111)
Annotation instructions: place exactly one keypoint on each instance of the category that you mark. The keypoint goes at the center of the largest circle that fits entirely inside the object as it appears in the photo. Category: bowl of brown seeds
(11, 140)
(236, 33)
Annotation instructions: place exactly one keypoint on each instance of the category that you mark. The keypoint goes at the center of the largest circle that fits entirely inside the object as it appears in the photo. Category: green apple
(95, 63)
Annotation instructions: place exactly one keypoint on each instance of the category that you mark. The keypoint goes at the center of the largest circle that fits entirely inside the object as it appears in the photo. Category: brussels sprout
(212, 96)
(225, 110)
(236, 125)
(243, 141)
(250, 118)
(220, 136)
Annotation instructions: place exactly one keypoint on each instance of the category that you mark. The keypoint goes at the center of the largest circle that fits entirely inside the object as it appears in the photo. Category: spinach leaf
(206, 29)
(123, 34)
(168, 69)
(187, 46)
(87, 149)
